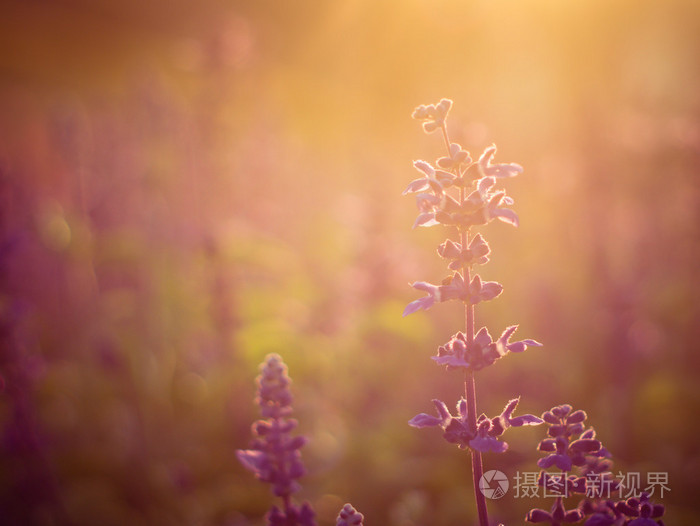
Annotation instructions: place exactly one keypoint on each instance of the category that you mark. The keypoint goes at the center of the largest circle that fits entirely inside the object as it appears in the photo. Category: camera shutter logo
(493, 484)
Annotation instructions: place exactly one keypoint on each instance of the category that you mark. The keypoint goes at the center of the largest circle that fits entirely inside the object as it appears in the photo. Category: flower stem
(477, 467)
(470, 395)
(469, 383)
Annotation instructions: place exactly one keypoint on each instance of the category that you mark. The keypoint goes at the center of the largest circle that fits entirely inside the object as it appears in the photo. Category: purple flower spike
(349, 516)
(274, 455)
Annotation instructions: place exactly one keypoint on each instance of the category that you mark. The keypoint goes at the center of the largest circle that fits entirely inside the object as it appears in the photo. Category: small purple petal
(486, 444)
(479, 249)
(443, 107)
(430, 126)
(424, 420)
(486, 157)
(585, 445)
(547, 444)
(442, 409)
(431, 289)
(509, 408)
(482, 338)
(576, 417)
(425, 219)
(449, 249)
(522, 345)
(445, 178)
(496, 199)
(490, 290)
(558, 511)
(252, 460)
(561, 461)
(562, 410)
(426, 201)
(484, 184)
(525, 420)
(550, 417)
(588, 433)
(462, 408)
(445, 162)
(506, 215)
(297, 442)
(424, 167)
(416, 186)
(421, 303)
(516, 347)
(475, 285)
(497, 170)
(505, 336)
(450, 360)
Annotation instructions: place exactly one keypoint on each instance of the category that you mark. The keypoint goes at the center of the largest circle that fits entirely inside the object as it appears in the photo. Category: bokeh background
(188, 186)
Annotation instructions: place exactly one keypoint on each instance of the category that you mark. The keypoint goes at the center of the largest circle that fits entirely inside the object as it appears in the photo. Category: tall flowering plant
(274, 454)
(462, 194)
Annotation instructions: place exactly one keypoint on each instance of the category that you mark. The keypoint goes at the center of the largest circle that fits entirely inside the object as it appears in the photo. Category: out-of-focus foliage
(188, 186)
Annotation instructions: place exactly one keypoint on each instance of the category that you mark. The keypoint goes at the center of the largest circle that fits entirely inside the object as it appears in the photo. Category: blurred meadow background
(188, 186)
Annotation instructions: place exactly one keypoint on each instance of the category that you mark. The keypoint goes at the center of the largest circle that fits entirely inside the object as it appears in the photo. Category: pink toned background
(187, 186)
